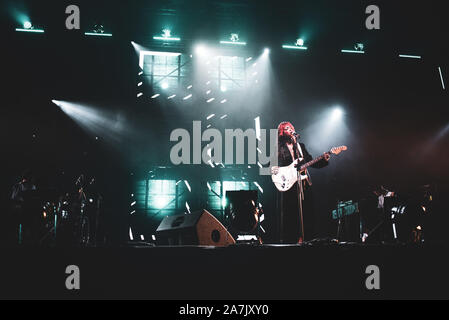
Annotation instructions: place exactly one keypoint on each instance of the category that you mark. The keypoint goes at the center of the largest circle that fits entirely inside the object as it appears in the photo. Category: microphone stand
(300, 196)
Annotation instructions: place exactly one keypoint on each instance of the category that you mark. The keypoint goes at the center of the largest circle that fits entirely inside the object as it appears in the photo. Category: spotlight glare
(266, 51)
(201, 50)
(27, 25)
(164, 85)
(337, 113)
(160, 202)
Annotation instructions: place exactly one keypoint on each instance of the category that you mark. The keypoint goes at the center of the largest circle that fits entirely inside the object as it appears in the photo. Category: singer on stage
(290, 229)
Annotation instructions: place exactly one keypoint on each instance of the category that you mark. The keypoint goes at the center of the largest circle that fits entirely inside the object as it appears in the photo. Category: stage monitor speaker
(198, 228)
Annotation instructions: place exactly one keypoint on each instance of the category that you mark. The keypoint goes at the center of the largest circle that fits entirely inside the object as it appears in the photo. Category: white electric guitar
(285, 177)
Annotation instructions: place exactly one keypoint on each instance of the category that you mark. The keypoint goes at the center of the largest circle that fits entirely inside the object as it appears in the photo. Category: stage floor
(262, 272)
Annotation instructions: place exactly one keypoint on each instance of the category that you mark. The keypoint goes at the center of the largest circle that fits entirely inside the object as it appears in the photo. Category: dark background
(394, 108)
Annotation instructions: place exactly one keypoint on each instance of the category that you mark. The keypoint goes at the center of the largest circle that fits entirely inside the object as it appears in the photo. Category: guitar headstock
(338, 150)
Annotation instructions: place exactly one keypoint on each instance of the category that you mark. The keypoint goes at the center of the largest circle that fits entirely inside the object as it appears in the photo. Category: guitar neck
(311, 163)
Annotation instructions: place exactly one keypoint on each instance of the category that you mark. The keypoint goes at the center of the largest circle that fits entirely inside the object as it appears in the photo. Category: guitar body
(285, 177)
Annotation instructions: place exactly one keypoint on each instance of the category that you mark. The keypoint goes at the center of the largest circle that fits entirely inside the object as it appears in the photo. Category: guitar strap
(300, 150)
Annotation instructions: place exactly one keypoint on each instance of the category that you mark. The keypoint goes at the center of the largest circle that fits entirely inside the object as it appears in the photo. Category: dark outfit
(288, 202)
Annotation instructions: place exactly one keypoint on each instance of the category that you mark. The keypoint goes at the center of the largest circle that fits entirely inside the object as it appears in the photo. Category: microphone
(295, 134)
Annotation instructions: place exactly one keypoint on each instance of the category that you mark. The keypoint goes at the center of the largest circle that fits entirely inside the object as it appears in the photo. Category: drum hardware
(67, 221)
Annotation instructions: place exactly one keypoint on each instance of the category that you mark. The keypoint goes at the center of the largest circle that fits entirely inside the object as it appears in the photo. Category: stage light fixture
(166, 33)
(28, 27)
(286, 46)
(98, 30)
(98, 34)
(166, 36)
(164, 85)
(266, 51)
(359, 46)
(234, 39)
(299, 45)
(409, 56)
